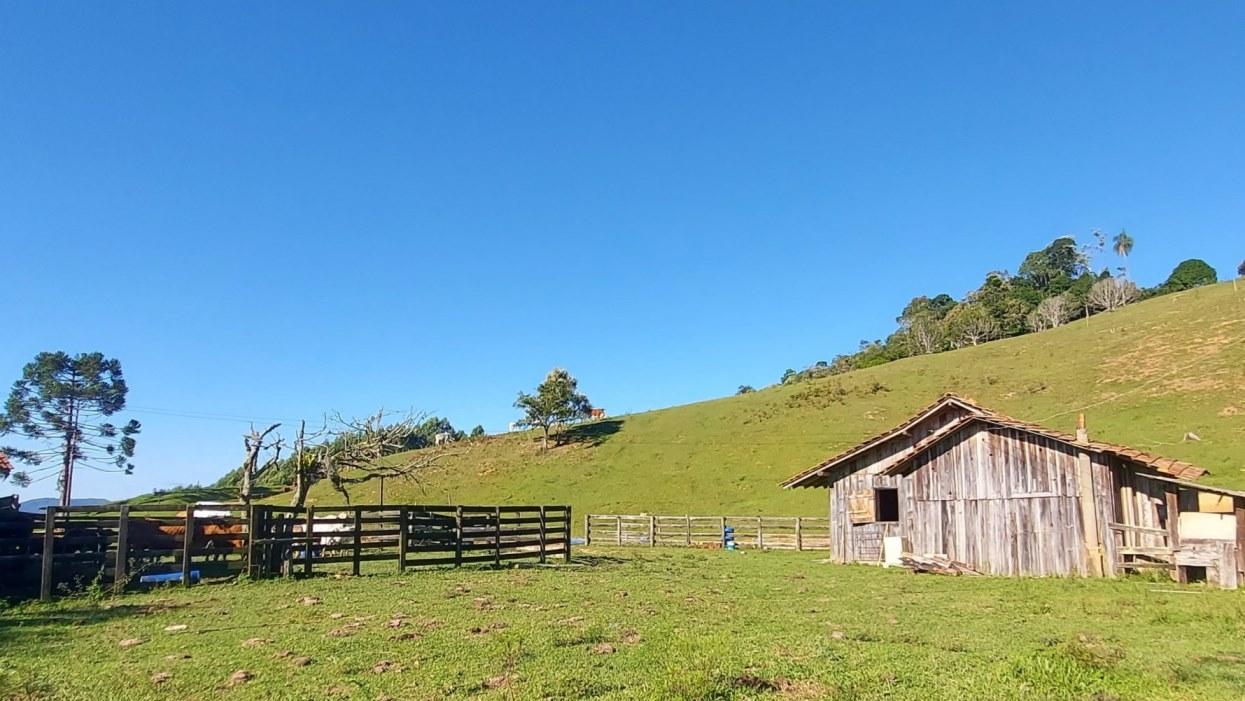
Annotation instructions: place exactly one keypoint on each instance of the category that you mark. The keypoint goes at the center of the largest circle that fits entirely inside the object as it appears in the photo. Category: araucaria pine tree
(61, 407)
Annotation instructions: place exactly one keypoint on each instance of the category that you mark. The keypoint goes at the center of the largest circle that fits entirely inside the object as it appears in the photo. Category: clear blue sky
(280, 209)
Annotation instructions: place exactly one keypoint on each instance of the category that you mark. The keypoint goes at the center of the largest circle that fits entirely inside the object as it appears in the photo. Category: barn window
(887, 501)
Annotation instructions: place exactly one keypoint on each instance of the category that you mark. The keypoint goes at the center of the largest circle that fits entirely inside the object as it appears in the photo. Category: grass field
(1146, 375)
(637, 623)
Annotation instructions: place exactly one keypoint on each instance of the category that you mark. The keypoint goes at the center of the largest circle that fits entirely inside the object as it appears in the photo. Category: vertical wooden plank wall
(1238, 509)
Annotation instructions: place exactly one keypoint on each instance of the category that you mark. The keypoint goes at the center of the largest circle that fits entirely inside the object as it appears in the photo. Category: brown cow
(153, 534)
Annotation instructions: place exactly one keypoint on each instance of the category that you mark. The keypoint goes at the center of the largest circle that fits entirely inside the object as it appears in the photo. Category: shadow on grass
(42, 626)
(592, 434)
(597, 560)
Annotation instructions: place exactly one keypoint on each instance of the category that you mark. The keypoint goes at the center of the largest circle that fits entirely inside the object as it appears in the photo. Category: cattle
(15, 524)
(321, 530)
(596, 413)
(209, 533)
(443, 438)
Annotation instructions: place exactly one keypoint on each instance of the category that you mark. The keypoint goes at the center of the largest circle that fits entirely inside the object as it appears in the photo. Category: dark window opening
(1194, 574)
(887, 501)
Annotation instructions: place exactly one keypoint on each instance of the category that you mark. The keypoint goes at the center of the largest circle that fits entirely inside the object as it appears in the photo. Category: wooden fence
(297, 540)
(116, 546)
(777, 532)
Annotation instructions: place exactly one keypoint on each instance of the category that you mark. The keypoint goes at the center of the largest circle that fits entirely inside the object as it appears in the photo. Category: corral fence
(115, 546)
(776, 532)
(297, 540)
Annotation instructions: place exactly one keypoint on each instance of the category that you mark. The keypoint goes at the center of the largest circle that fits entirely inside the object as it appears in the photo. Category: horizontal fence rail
(119, 545)
(297, 540)
(651, 530)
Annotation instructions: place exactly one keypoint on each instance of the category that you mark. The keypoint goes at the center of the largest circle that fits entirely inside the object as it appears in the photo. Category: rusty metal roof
(1169, 466)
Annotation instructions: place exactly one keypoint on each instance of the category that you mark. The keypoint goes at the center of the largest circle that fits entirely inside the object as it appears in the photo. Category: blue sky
(282, 209)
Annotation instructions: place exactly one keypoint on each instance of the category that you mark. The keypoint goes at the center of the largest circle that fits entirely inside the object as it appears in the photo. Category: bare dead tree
(255, 443)
(925, 334)
(1110, 294)
(352, 451)
(302, 466)
(970, 324)
(1050, 313)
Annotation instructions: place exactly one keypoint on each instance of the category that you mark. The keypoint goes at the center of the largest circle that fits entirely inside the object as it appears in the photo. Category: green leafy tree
(1056, 265)
(557, 401)
(1189, 274)
(477, 432)
(1122, 244)
(61, 405)
(1009, 306)
(787, 376)
(745, 389)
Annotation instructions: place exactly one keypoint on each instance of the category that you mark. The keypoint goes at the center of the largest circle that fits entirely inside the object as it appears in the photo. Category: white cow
(443, 438)
(208, 512)
(321, 529)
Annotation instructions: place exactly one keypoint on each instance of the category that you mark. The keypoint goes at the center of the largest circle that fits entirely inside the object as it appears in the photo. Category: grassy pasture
(1145, 376)
(636, 623)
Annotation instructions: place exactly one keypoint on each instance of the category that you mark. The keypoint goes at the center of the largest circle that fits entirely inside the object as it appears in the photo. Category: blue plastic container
(167, 577)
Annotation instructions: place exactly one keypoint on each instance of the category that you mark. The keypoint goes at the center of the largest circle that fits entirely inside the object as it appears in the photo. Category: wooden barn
(1007, 497)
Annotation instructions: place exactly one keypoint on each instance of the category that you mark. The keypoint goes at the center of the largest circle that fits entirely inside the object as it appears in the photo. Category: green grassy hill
(1144, 375)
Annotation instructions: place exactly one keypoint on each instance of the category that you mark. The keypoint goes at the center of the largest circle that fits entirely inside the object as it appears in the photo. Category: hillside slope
(1145, 375)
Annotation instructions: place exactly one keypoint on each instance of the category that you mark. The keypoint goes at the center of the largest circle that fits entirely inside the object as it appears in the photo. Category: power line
(205, 415)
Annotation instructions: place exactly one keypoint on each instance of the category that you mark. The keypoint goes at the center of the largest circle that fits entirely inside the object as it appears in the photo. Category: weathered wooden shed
(1009, 497)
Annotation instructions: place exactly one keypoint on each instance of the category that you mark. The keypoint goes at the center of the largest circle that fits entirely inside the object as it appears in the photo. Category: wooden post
(309, 541)
(652, 531)
(618, 527)
(832, 532)
(1238, 507)
(358, 538)
(497, 536)
(760, 535)
(1088, 503)
(722, 530)
(1172, 494)
(250, 542)
(49, 543)
(382, 490)
(587, 529)
(566, 536)
(542, 535)
(188, 541)
(402, 538)
(687, 525)
(119, 576)
(799, 538)
(458, 537)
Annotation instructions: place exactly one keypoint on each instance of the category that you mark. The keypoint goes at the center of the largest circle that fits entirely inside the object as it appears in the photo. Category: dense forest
(1058, 284)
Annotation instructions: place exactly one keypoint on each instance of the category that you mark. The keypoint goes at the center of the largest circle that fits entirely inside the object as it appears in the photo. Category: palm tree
(1123, 245)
